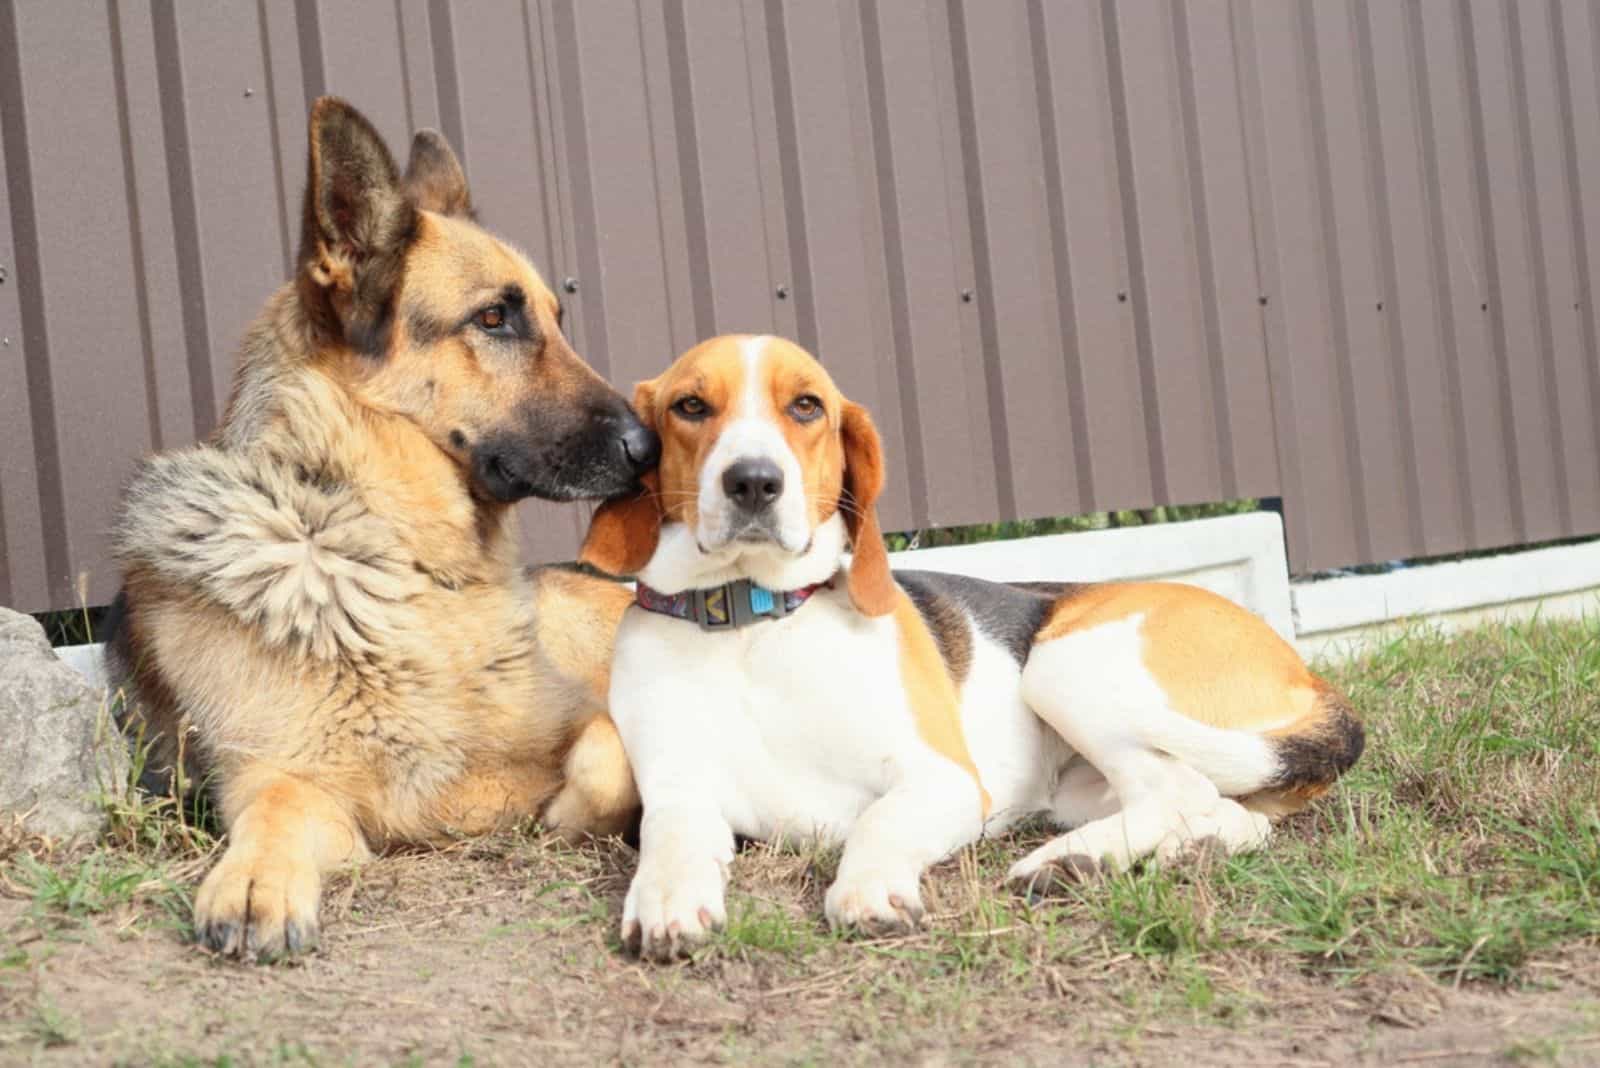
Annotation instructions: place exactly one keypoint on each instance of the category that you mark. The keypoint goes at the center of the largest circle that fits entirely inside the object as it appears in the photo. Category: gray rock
(60, 754)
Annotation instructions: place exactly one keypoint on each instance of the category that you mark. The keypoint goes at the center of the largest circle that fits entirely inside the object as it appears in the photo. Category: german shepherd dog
(322, 610)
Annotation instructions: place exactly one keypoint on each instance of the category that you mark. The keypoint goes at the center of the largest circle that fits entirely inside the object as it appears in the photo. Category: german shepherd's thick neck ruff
(323, 610)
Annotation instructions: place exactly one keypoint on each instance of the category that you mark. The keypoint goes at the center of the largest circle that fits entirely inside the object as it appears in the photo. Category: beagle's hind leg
(1174, 809)
(1167, 772)
(260, 901)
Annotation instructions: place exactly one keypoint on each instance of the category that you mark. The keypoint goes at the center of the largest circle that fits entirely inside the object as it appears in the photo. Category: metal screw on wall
(570, 285)
(2, 276)
(248, 93)
(966, 296)
(783, 292)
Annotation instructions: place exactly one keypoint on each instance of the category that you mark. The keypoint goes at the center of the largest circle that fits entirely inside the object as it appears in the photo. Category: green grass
(1465, 842)
(65, 894)
(756, 926)
(51, 1027)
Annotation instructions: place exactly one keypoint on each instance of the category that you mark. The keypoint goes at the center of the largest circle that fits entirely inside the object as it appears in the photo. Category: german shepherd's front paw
(258, 906)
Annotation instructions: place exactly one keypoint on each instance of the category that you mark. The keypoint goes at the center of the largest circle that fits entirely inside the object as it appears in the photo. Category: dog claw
(301, 938)
(1074, 869)
(1204, 852)
(219, 937)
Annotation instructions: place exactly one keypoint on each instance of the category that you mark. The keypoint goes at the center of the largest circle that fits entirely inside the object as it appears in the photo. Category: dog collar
(729, 606)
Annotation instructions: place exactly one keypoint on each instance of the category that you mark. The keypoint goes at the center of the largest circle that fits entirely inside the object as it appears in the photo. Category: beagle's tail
(1311, 753)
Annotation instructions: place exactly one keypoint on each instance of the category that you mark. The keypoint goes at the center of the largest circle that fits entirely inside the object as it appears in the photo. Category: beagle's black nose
(752, 485)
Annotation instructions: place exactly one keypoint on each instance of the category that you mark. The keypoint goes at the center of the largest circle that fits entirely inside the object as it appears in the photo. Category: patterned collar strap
(729, 606)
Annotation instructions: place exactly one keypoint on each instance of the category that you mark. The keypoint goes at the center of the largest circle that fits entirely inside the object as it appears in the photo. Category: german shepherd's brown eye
(691, 408)
(492, 319)
(805, 408)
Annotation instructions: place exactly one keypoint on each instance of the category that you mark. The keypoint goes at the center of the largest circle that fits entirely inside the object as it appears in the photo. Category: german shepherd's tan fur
(323, 608)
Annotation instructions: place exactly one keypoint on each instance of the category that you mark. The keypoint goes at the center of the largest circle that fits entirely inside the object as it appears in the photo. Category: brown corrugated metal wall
(1075, 254)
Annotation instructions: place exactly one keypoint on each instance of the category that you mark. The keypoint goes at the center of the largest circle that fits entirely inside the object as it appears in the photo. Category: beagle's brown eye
(805, 408)
(492, 318)
(690, 407)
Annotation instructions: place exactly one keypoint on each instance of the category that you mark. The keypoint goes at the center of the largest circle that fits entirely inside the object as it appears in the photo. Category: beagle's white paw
(672, 908)
(1229, 828)
(875, 902)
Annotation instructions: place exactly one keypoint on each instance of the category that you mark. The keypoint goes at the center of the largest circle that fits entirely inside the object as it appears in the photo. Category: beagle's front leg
(668, 726)
(676, 898)
(920, 821)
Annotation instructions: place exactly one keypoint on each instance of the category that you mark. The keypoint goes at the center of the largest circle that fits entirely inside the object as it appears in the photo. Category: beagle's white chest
(791, 727)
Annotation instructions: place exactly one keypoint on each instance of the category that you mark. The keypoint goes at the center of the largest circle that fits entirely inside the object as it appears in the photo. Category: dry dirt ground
(1441, 907)
(504, 953)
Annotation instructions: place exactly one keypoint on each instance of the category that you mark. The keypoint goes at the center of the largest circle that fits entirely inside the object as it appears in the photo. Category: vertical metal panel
(286, 100)
(1577, 34)
(1074, 254)
(985, 412)
(949, 460)
(1547, 121)
(1460, 236)
(76, 280)
(1354, 292)
(1410, 278)
(1179, 415)
(416, 66)
(1104, 393)
(1514, 290)
(836, 235)
(1225, 247)
(714, 99)
(364, 59)
(22, 529)
(1015, 273)
(149, 206)
(235, 247)
(1297, 258)
(623, 296)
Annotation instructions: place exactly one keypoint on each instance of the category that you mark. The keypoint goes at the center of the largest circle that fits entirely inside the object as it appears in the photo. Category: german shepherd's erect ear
(434, 179)
(357, 224)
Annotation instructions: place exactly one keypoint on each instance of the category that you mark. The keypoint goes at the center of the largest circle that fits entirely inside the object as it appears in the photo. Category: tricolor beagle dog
(770, 682)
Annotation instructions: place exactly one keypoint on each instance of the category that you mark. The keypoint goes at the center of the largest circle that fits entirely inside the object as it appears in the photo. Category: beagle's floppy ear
(623, 533)
(872, 588)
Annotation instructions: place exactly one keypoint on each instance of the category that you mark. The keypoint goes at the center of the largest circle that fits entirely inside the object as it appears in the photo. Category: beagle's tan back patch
(935, 702)
(1217, 663)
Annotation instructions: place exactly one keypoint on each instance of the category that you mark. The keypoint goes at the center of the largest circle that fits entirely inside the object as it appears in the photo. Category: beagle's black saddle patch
(1008, 613)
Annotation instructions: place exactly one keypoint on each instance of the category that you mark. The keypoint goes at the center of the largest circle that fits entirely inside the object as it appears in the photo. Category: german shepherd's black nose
(752, 485)
(641, 445)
